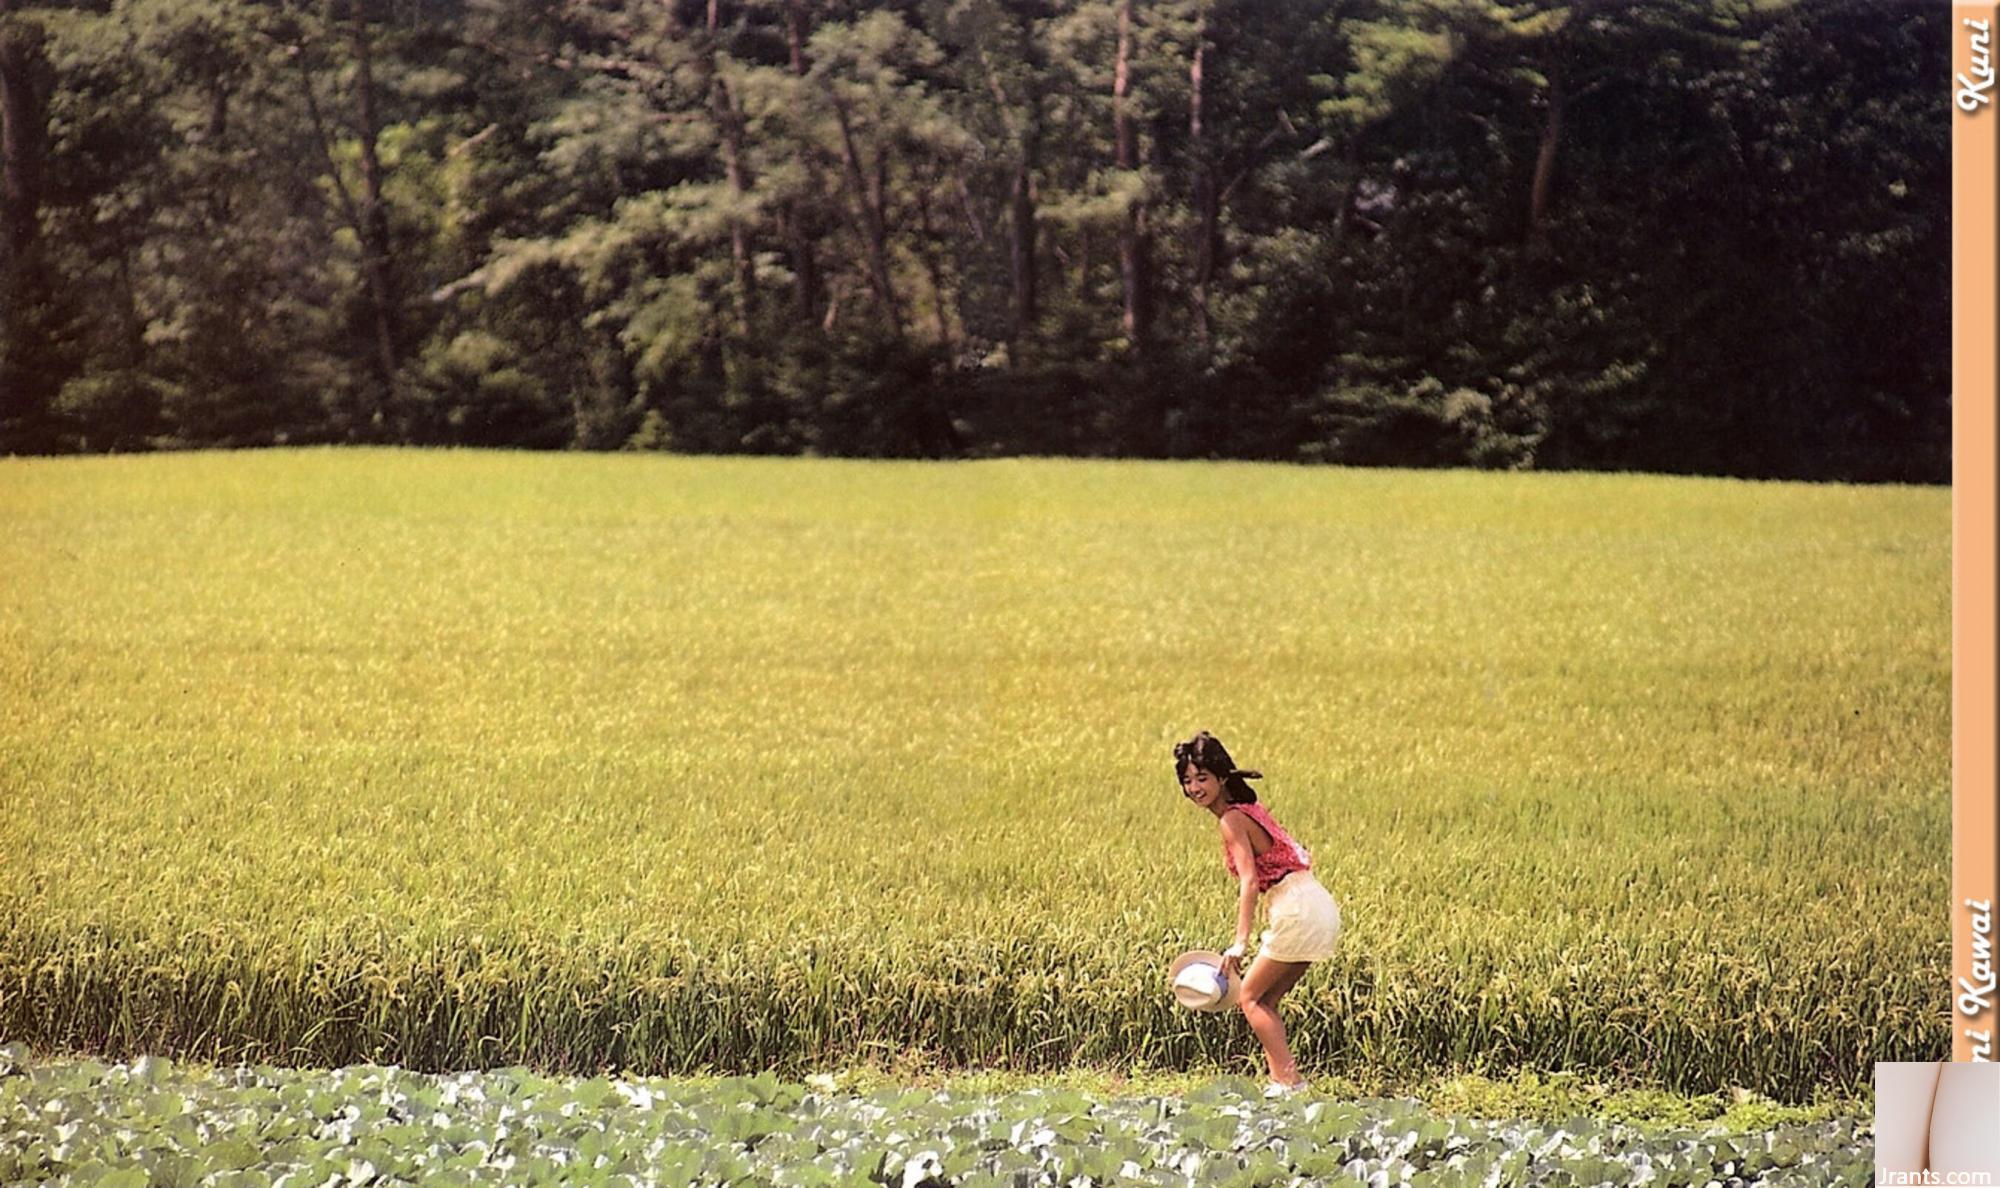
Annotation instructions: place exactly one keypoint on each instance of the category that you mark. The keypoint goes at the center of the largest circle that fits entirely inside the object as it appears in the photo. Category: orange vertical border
(1975, 109)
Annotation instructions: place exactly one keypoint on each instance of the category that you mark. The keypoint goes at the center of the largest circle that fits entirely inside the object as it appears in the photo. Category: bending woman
(1262, 857)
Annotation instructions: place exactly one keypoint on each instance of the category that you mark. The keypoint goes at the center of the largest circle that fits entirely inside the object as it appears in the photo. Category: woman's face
(1202, 787)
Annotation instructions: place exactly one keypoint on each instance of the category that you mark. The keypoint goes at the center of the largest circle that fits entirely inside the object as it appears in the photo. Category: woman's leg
(1263, 986)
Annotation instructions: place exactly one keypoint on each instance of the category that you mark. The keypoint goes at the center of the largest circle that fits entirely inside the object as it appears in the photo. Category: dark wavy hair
(1205, 751)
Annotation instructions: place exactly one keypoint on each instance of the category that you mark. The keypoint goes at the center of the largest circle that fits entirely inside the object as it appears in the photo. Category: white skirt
(1305, 921)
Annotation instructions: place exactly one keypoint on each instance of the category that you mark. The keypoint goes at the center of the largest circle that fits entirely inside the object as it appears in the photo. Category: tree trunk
(973, 222)
(1133, 265)
(800, 225)
(739, 185)
(795, 34)
(218, 113)
(1021, 196)
(874, 224)
(25, 395)
(1204, 185)
(221, 197)
(23, 136)
(1021, 246)
(376, 253)
(730, 125)
(1345, 219)
(1545, 164)
(933, 267)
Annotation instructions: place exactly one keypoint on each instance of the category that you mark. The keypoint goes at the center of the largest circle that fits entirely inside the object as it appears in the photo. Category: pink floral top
(1284, 856)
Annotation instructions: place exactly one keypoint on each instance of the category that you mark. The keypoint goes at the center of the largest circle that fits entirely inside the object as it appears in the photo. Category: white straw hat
(1199, 983)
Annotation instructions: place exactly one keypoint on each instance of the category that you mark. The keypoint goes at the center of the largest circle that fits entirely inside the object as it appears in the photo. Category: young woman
(1262, 857)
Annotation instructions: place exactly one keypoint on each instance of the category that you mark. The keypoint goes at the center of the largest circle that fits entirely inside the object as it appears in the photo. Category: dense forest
(1701, 236)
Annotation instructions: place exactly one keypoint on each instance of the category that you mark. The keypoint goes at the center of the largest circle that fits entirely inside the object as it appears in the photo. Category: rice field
(679, 765)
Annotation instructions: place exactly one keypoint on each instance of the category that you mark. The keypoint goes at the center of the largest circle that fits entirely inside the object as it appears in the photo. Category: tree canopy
(1703, 236)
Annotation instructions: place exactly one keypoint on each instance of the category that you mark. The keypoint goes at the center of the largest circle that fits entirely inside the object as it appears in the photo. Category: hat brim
(1230, 985)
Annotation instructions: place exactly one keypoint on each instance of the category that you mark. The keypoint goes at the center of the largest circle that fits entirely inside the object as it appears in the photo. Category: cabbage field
(150, 1123)
(667, 765)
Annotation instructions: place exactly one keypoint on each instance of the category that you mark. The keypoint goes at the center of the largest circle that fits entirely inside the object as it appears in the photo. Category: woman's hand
(1232, 960)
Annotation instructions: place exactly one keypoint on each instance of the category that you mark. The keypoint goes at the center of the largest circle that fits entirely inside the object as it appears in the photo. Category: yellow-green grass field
(687, 765)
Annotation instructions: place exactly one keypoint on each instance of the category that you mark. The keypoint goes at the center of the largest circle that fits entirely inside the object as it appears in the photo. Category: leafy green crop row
(670, 764)
(156, 1124)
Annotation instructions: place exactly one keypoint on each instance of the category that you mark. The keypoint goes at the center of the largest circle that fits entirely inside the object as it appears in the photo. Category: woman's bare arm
(1237, 837)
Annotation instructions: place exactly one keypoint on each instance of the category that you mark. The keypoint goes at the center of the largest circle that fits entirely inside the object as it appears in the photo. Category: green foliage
(1425, 425)
(1390, 61)
(472, 390)
(94, 1123)
(1735, 264)
(125, 405)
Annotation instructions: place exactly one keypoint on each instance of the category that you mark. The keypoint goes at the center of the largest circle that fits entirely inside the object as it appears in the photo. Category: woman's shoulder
(1241, 820)
(1265, 821)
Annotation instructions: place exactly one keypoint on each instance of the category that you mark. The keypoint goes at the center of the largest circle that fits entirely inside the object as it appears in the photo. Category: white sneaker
(1276, 1090)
